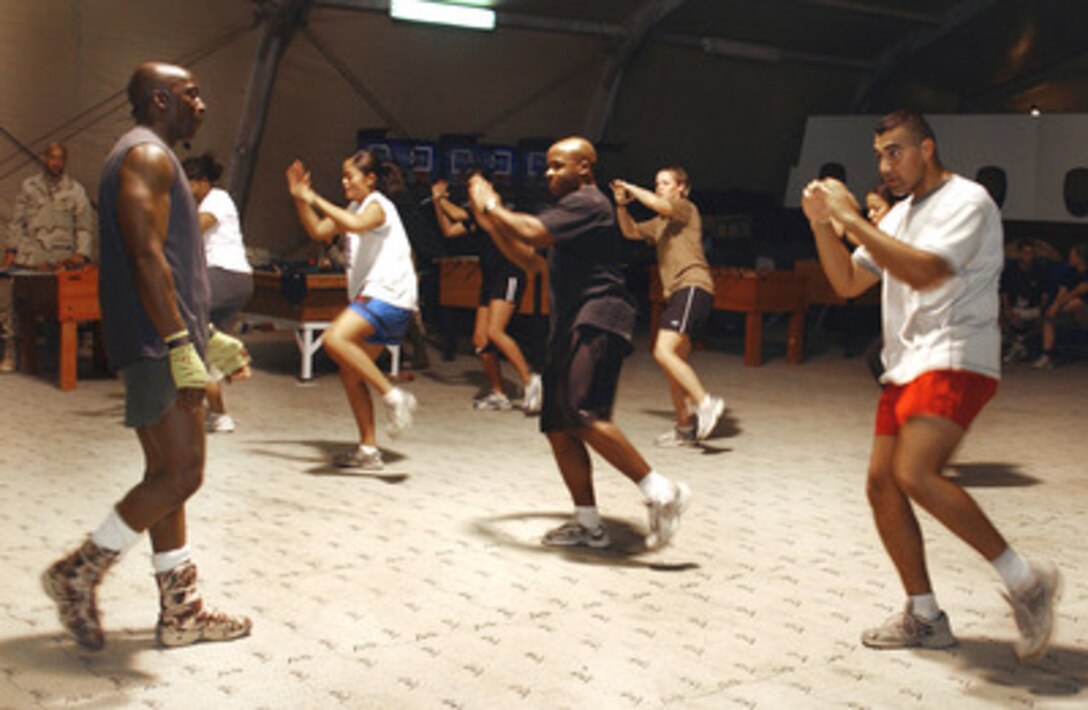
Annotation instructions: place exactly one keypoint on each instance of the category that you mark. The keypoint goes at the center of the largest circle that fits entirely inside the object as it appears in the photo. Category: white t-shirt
(380, 261)
(953, 326)
(223, 241)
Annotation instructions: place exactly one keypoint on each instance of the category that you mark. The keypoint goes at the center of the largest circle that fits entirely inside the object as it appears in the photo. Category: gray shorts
(230, 292)
(149, 391)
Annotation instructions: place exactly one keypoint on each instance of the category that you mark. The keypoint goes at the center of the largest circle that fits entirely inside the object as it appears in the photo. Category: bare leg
(610, 442)
(925, 446)
(345, 342)
(895, 519)
(174, 453)
(500, 314)
(488, 360)
(575, 466)
(671, 351)
(215, 398)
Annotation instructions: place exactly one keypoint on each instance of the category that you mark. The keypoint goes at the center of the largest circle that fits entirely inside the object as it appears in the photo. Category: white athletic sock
(924, 606)
(1014, 571)
(392, 396)
(166, 561)
(114, 534)
(654, 486)
(587, 516)
(368, 450)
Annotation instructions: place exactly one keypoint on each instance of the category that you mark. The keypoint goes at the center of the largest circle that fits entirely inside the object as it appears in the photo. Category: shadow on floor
(1062, 673)
(989, 475)
(59, 654)
(322, 464)
(628, 542)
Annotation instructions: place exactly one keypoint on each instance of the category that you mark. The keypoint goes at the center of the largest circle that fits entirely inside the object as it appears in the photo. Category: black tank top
(129, 332)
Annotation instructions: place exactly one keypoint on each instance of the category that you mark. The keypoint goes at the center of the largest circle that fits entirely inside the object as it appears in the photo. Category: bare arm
(519, 226)
(845, 275)
(516, 251)
(207, 221)
(143, 210)
(450, 220)
(919, 269)
(648, 198)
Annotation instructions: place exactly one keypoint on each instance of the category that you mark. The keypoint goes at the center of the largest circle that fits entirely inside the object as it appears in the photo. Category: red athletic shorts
(956, 395)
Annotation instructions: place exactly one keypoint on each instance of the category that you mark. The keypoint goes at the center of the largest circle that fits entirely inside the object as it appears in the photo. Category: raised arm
(921, 270)
(519, 226)
(623, 197)
(845, 275)
(648, 198)
(451, 218)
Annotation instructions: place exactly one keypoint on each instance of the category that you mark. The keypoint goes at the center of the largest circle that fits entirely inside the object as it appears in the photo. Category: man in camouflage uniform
(51, 228)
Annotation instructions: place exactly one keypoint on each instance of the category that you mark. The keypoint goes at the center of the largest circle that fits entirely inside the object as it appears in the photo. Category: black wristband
(179, 342)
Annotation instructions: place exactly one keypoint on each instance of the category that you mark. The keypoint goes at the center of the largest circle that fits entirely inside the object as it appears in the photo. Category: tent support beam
(281, 19)
(635, 32)
(899, 54)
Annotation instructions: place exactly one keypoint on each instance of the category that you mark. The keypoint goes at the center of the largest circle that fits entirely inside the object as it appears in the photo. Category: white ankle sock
(924, 606)
(587, 516)
(654, 486)
(114, 534)
(392, 396)
(368, 450)
(166, 561)
(1014, 571)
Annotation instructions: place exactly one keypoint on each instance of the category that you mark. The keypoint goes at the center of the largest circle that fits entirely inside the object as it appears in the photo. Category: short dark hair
(914, 121)
(1025, 244)
(681, 176)
(202, 167)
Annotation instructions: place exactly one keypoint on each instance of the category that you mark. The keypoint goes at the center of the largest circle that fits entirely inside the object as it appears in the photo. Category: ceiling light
(441, 13)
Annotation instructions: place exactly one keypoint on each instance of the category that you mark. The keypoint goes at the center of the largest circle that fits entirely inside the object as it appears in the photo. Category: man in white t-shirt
(939, 253)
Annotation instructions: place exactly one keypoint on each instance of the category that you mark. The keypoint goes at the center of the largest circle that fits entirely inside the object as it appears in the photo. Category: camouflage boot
(183, 620)
(72, 583)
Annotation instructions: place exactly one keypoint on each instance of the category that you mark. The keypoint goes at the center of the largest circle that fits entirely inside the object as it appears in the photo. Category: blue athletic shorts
(390, 323)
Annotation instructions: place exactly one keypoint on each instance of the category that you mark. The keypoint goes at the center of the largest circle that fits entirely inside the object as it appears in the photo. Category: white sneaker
(905, 630)
(1043, 363)
(360, 460)
(1017, 352)
(665, 516)
(676, 438)
(219, 423)
(534, 395)
(400, 407)
(707, 414)
(1033, 609)
(574, 534)
(493, 402)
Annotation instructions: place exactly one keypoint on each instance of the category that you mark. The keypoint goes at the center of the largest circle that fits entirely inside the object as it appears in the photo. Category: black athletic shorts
(502, 285)
(687, 311)
(581, 378)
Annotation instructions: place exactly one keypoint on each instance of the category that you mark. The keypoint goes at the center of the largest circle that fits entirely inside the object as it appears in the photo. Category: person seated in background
(230, 277)
(1069, 307)
(1025, 290)
(51, 228)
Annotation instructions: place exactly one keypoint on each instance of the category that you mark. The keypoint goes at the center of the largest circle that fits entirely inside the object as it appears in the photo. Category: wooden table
(67, 297)
(306, 304)
(753, 293)
(459, 286)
